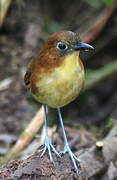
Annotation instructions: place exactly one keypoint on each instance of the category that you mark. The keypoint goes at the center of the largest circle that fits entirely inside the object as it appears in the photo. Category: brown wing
(27, 78)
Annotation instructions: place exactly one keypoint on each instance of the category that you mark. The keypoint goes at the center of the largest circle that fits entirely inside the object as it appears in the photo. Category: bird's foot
(72, 156)
(48, 146)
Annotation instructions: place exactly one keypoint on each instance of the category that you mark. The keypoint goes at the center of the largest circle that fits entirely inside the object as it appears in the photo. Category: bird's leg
(48, 145)
(66, 145)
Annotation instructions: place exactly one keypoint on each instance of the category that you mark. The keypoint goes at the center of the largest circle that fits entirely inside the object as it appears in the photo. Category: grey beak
(82, 46)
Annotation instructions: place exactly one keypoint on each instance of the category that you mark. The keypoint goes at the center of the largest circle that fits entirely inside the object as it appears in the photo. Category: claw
(55, 150)
(49, 147)
(43, 151)
(72, 156)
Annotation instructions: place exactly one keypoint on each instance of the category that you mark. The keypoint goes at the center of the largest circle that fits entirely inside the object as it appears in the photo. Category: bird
(55, 77)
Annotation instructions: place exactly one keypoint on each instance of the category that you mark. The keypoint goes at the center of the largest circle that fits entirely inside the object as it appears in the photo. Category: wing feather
(27, 78)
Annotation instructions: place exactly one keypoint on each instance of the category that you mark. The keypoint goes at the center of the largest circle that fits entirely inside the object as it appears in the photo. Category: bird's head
(59, 45)
(66, 42)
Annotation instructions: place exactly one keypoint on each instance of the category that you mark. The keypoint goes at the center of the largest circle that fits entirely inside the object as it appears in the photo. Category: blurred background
(24, 25)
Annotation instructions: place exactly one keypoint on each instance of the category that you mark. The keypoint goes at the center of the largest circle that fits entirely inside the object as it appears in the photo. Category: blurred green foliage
(97, 3)
(94, 76)
(109, 2)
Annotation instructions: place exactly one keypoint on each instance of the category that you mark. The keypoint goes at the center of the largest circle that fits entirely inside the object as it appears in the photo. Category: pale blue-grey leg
(48, 145)
(66, 145)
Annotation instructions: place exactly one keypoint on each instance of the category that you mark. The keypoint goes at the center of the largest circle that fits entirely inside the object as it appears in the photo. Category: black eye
(62, 46)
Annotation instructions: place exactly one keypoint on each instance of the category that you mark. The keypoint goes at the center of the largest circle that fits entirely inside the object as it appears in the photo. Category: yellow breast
(64, 84)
